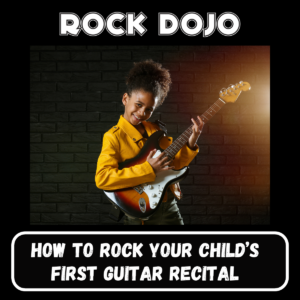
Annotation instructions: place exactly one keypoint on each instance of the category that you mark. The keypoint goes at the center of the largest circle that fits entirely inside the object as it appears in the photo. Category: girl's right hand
(159, 163)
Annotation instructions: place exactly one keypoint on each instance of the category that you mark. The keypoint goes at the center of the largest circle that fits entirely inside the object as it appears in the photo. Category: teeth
(137, 117)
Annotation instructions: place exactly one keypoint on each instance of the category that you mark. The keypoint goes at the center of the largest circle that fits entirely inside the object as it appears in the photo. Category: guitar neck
(172, 150)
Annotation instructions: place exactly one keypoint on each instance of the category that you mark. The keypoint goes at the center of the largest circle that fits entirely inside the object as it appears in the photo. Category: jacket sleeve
(184, 156)
(109, 177)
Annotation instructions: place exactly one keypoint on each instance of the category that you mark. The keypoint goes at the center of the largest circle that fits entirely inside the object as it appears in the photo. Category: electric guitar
(143, 200)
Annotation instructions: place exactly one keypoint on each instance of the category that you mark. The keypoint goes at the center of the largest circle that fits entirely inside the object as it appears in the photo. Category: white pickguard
(155, 188)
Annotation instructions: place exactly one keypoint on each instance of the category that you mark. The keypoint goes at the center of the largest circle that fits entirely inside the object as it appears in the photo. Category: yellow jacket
(123, 142)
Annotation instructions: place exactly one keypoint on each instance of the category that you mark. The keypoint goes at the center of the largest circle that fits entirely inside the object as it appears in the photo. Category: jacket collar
(131, 131)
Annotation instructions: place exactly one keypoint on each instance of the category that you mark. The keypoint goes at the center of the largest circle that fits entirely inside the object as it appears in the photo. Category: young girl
(147, 87)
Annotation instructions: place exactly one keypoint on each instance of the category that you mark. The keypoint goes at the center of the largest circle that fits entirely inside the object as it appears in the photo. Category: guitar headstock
(233, 91)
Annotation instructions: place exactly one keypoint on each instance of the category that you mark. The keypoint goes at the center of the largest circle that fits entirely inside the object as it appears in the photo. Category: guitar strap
(116, 214)
(162, 126)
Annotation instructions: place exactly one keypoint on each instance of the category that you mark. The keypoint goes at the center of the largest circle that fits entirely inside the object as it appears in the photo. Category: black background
(259, 27)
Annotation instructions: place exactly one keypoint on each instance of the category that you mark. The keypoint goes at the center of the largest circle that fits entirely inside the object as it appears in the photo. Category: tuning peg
(223, 91)
(241, 83)
(233, 87)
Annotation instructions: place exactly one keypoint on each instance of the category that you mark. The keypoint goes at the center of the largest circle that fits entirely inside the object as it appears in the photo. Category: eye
(139, 105)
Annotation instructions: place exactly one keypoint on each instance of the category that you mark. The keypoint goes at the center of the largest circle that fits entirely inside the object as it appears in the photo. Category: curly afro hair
(151, 77)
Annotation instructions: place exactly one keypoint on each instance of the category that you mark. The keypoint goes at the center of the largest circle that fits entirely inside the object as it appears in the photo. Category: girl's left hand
(197, 129)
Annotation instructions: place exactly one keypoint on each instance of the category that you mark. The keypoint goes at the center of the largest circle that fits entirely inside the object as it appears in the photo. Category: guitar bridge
(139, 189)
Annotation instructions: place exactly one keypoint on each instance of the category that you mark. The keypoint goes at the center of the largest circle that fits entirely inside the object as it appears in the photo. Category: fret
(213, 109)
(172, 150)
(216, 107)
(204, 117)
(186, 135)
(220, 102)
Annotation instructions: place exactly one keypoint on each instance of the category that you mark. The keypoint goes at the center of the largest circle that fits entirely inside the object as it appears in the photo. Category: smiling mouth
(137, 117)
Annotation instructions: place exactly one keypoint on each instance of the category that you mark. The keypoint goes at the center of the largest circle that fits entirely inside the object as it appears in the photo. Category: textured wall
(75, 94)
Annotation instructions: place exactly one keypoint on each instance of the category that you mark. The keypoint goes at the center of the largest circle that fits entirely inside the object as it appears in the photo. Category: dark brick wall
(75, 96)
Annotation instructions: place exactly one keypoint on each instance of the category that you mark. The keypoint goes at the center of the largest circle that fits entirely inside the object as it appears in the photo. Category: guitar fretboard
(184, 137)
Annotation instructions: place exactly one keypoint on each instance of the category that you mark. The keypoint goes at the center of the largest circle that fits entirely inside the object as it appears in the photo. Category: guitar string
(183, 138)
(177, 145)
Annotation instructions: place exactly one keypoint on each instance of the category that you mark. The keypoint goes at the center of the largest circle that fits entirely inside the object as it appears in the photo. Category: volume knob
(150, 187)
(153, 195)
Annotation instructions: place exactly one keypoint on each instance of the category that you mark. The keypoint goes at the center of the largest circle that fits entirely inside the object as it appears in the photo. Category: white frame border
(145, 233)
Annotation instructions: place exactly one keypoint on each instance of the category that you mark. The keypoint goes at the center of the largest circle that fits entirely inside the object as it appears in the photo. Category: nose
(141, 112)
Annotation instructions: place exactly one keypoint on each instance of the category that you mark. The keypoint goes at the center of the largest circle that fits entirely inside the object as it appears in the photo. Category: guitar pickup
(139, 189)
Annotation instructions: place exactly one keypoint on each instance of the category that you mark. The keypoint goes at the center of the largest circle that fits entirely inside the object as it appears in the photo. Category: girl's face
(139, 107)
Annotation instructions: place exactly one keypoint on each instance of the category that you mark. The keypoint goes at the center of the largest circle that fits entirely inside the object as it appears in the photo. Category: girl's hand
(159, 163)
(197, 129)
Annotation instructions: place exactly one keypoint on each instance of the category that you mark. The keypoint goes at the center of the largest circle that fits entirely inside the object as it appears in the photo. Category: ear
(125, 99)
